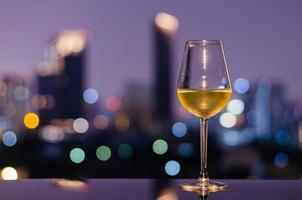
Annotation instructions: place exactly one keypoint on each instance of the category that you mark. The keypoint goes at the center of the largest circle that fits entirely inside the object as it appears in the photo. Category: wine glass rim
(198, 42)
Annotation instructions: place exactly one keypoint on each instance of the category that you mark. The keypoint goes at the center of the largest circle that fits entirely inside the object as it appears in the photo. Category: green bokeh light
(77, 155)
(125, 151)
(103, 153)
(160, 146)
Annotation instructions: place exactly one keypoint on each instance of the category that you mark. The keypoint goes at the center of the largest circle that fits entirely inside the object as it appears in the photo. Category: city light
(241, 85)
(103, 153)
(227, 120)
(71, 42)
(179, 129)
(51, 133)
(77, 155)
(90, 96)
(9, 173)
(282, 137)
(235, 106)
(231, 138)
(281, 160)
(125, 151)
(185, 149)
(172, 168)
(166, 22)
(39, 102)
(80, 125)
(21, 93)
(31, 120)
(113, 104)
(101, 122)
(122, 122)
(9, 138)
(160, 146)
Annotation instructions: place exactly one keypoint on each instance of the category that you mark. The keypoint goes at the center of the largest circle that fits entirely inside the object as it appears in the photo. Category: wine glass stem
(204, 178)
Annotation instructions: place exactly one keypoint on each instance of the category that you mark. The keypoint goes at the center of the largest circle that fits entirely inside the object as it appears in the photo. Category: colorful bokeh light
(179, 129)
(160, 146)
(172, 168)
(9, 138)
(77, 155)
(103, 153)
(125, 151)
(31, 120)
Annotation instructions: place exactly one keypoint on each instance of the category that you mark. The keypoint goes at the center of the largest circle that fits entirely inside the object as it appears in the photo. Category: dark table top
(145, 189)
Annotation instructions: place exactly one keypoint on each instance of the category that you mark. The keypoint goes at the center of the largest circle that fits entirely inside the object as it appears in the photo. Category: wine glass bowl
(204, 89)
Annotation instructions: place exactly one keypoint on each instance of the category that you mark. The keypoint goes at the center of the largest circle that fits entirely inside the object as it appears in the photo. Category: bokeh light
(235, 106)
(122, 122)
(172, 168)
(113, 104)
(101, 122)
(125, 151)
(77, 155)
(231, 138)
(39, 102)
(281, 160)
(103, 153)
(90, 96)
(166, 22)
(71, 42)
(227, 120)
(9, 173)
(21, 93)
(241, 85)
(282, 137)
(51, 133)
(179, 129)
(80, 125)
(160, 146)
(31, 120)
(9, 138)
(185, 149)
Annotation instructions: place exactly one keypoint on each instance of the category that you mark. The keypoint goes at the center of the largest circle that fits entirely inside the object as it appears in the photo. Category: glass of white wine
(204, 89)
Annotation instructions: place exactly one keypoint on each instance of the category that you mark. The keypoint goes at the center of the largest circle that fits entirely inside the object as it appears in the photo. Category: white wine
(204, 103)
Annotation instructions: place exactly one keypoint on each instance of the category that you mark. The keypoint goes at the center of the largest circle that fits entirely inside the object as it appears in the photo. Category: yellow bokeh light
(9, 173)
(31, 120)
(122, 122)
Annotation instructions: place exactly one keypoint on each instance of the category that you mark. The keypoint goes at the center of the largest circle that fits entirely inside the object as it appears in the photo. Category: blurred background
(88, 89)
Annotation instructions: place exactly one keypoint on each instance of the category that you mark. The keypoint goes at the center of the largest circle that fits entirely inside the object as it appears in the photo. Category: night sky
(262, 38)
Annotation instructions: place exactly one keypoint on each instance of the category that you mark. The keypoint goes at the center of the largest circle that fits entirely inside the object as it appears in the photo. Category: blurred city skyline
(261, 39)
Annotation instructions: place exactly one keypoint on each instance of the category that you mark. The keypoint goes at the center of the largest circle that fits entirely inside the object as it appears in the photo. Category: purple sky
(262, 37)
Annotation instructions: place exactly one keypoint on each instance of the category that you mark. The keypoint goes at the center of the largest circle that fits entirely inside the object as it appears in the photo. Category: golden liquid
(204, 103)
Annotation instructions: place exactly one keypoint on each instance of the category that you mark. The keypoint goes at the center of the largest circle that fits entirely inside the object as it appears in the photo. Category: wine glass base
(203, 187)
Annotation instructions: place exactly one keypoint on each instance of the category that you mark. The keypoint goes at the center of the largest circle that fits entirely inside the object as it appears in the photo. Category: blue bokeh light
(185, 149)
(172, 167)
(179, 129)
(9, 138)
(90, 96)
(241, 85)
(282, 137)
(281, 160)
(231, 138)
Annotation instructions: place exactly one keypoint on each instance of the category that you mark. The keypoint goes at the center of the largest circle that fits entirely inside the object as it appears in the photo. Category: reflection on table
(145, 189)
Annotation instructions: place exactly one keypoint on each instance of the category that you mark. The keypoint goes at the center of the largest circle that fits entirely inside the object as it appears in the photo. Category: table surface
(145, 189)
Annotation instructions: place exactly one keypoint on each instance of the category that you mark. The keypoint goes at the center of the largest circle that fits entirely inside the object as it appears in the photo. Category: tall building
(61, 78)
(165, 26)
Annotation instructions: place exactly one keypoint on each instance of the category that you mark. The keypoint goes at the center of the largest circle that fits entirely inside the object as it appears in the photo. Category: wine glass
(204, 89)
